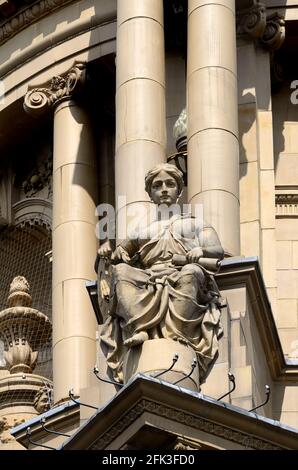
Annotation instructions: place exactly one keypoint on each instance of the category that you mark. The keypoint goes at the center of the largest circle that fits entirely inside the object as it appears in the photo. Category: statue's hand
(120, 255)
(105, 250)
(194, 255)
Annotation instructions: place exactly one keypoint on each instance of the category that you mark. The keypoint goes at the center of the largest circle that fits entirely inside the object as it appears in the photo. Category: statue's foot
(136, 339)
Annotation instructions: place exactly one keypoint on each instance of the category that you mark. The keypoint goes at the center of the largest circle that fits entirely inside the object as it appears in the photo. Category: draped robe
(166, 301)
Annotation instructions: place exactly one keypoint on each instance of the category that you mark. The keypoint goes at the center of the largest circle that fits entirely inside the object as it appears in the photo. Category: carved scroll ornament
(269, 30)
(61, 87)
(252, 21)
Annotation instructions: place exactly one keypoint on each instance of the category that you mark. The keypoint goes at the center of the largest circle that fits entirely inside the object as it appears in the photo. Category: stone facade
(89, 94)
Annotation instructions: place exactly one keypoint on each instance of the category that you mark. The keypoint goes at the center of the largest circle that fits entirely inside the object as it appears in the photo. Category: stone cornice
(27, 16)
(62, 87)
(144, 398)
(246, 271)
(253, 21)
(184, 418)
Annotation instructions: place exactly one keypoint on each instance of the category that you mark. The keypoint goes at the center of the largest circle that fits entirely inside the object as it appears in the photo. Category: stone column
(140, 96)
(213, 161)
(74, 240)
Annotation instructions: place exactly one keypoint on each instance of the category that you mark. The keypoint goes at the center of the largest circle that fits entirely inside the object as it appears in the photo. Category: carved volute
(60, 88)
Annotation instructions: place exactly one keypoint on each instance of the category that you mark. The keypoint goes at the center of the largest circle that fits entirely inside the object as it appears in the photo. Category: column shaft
(140, 96)
(213, 154)
(74, 249)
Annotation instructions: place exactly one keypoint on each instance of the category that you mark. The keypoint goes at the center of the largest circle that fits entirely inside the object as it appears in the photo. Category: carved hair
(172, 170)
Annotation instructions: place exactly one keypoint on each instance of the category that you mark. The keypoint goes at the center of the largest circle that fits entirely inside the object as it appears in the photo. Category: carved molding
(33, 211)
(274, 34)
(18, 390)
(60, 88)
(6, 423)
(28, 15)
(185, 443)
(286, 205)
(40, 178)
(179, 416)
(268, 30)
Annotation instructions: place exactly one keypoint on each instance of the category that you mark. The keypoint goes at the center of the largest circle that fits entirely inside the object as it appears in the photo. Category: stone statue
(158, 286)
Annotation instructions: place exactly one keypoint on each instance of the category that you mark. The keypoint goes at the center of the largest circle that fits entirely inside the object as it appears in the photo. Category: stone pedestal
(156, 355)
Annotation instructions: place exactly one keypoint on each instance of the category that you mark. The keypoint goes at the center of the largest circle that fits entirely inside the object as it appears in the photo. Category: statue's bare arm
(210, 243)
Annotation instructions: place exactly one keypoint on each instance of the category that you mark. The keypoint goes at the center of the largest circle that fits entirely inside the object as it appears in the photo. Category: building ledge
(147, 410)
(57, 418)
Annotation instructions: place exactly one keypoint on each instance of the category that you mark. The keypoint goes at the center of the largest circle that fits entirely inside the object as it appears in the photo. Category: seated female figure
(150, 296)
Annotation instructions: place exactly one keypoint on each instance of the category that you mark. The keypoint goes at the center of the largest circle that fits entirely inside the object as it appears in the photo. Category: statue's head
(164, 184)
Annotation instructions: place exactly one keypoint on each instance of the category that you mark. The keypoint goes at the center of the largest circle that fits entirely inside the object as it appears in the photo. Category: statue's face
(164, 189)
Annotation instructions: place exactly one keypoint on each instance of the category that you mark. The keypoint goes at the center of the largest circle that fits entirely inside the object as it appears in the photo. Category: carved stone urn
(23, 330)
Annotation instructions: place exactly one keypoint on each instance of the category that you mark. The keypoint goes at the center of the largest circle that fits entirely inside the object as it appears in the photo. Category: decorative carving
(180, 131)
(6, 423)
(20, 328)
(20, 390)
(62, 87)
(19, 293)
(252, 21)
(286, 205)
(33, 212)
(43, 399)
(269, 30)
(160, 287)
(185, 443)
(180, 417)
(274, 34)
(39, 178)
(32, 13)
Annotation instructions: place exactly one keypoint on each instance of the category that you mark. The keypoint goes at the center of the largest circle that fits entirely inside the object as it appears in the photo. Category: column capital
(274, 34)
(254, 22)
(60, 88)
(252, 19)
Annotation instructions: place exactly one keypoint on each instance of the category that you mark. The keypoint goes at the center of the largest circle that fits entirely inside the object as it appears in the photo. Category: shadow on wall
(48, 27)
(246, 118)
(285, 122)
(81, 16)
(98, 103)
